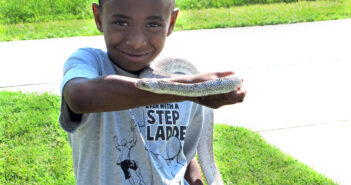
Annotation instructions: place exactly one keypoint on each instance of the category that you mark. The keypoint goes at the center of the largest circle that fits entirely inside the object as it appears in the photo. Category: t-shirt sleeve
(83, 63)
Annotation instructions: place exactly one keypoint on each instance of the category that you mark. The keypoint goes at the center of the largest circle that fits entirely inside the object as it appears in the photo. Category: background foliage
(25, 11)
(202, 4)
(21, 11)
(236, 16)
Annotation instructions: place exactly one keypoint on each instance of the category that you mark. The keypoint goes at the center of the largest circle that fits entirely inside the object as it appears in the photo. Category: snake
(154, 79)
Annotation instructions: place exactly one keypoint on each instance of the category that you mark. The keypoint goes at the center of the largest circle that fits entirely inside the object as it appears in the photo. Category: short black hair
(101, 2)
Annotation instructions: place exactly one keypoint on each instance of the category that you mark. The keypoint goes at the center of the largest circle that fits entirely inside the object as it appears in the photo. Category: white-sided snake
(155, 80)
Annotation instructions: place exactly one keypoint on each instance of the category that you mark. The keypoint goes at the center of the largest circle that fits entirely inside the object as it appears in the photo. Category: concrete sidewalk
(298, 79)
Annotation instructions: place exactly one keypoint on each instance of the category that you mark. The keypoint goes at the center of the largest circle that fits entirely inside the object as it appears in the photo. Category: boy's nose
(136, 40)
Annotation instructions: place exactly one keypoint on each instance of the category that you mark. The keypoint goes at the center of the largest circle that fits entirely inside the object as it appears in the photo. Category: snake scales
(155, 80)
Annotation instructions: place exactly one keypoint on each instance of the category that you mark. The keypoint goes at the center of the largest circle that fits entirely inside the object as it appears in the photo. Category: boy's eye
(120, 23)
(153, 24)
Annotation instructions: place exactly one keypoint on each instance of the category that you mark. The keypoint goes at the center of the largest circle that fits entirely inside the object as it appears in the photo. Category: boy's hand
(214, 101)
(219, 100)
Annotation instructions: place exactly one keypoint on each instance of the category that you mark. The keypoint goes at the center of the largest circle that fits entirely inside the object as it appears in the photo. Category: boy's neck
(132, 72)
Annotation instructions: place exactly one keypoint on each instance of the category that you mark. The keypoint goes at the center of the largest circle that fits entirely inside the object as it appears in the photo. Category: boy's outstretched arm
(115, 92)
(109, 93)
(193, 173)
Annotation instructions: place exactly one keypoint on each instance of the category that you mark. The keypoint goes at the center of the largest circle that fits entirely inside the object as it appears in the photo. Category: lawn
(34, 149)
(82, 24)
(33, 11)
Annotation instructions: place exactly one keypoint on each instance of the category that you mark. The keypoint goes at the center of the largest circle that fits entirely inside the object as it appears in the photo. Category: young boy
(118, 133)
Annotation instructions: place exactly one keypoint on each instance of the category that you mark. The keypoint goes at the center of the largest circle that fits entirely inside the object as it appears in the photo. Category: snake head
(142, 84)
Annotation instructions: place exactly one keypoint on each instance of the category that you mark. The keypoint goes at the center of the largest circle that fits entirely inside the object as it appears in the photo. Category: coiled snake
(153, 80)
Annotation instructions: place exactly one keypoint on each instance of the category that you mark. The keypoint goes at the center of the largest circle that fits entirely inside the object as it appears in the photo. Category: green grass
(252, 15)
(20, 11)
(43, 30)
(29, 11)
(268, 14)
(34, 149)
(243, 157)
(205, 4)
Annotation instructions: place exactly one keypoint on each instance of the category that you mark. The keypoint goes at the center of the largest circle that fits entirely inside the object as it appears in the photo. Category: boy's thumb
(225, 73)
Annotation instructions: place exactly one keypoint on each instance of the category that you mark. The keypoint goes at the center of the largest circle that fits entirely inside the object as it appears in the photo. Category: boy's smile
(135, 30)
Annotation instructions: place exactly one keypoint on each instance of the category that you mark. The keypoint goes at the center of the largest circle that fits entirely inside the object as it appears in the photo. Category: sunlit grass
(244, 157)
(35, 150)
(43, 30)
(29, 11)
(269, 14)
(252, 15)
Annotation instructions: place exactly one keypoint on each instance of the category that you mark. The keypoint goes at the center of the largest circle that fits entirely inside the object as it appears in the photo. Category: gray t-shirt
(145, 145)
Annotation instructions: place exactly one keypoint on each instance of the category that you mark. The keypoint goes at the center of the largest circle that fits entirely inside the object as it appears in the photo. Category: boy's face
(135, 30)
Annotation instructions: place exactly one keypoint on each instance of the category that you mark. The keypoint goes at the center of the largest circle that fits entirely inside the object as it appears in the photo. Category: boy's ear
(174, 16)
(97, 16)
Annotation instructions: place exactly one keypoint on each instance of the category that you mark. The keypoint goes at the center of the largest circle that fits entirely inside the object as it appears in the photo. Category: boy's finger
(225, 73)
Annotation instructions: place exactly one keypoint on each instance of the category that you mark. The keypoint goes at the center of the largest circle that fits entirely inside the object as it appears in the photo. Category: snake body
(218, 86)
(155, 80)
